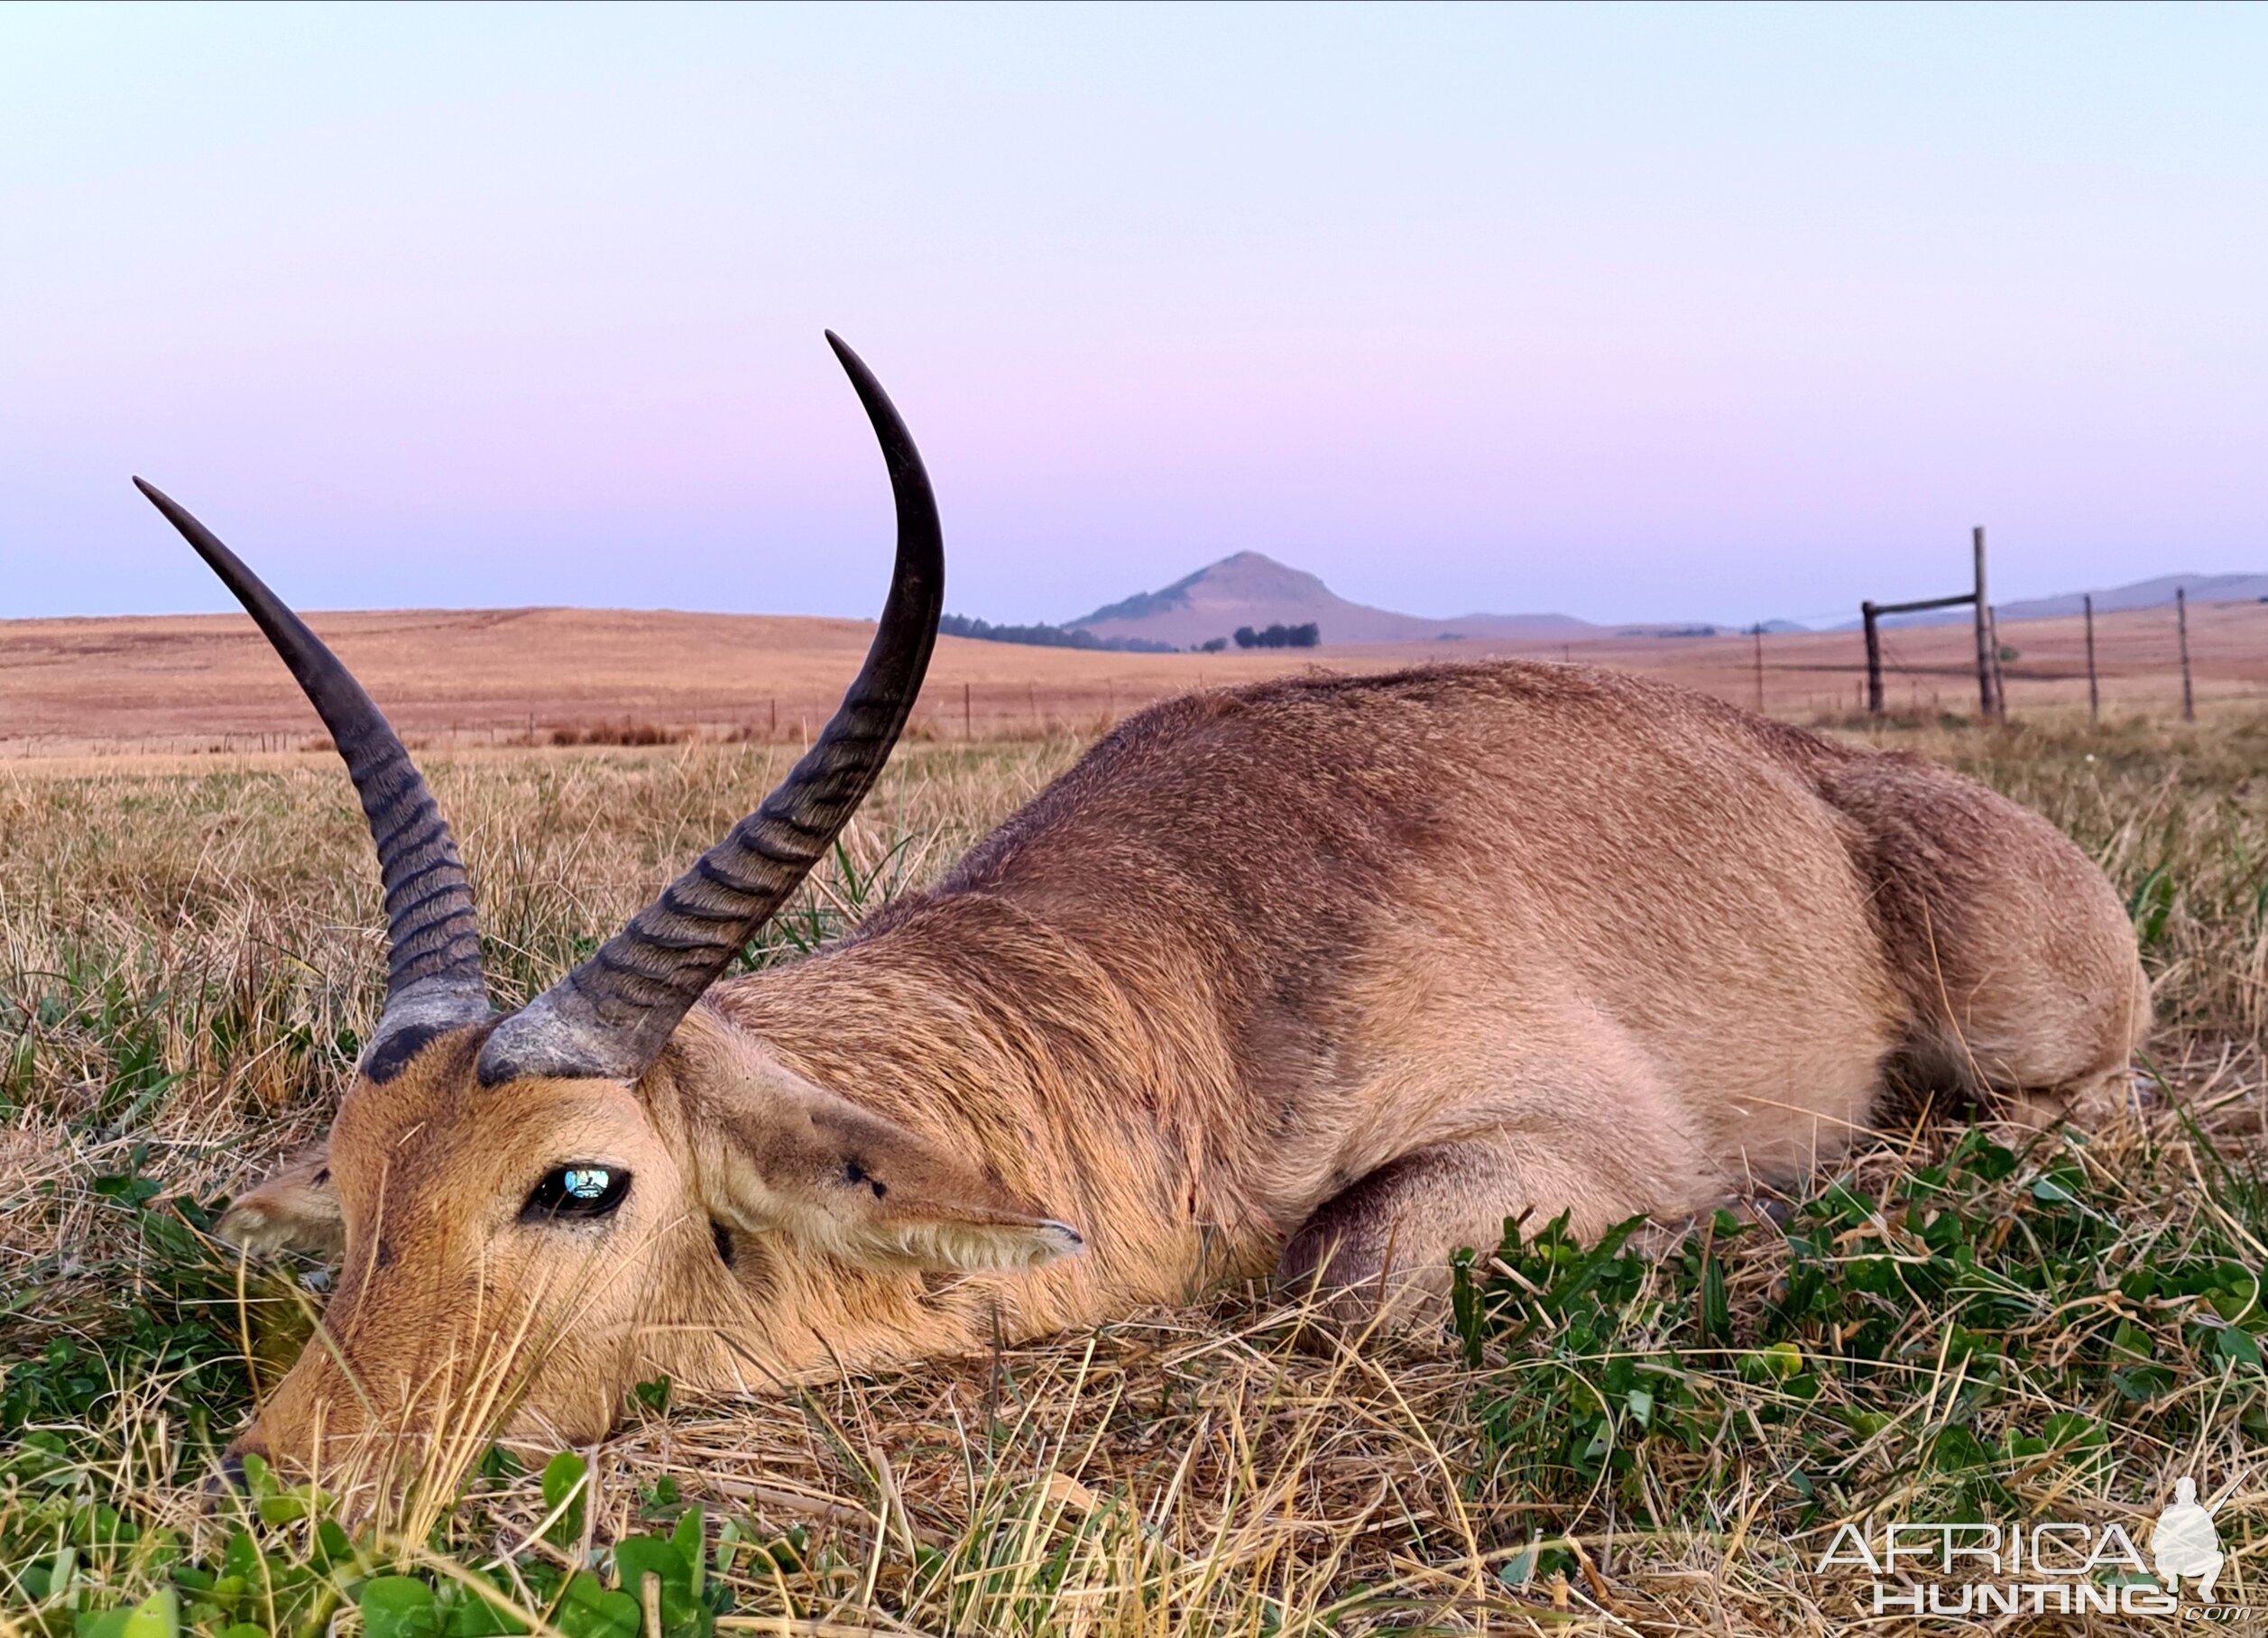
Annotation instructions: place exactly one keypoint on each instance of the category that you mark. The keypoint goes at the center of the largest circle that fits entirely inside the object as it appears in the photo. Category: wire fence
(2162, 659)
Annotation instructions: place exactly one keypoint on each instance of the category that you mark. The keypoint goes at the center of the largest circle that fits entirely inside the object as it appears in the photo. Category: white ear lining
(983, 1248)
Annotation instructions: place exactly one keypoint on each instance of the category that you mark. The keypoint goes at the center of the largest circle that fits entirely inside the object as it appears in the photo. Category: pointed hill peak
(1253, 589)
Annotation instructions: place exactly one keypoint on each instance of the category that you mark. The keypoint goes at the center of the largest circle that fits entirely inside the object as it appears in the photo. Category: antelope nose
(230, 1480)
(224, 1485)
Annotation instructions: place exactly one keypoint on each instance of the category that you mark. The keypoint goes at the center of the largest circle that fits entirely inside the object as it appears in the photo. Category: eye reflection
(581, 1188)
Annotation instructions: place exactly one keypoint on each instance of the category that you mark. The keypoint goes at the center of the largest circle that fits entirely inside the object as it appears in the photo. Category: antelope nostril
(226, 1484)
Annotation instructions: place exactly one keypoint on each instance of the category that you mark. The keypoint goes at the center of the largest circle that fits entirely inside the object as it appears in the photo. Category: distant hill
(2155, 594)
(1252, 589)
(2145, 594)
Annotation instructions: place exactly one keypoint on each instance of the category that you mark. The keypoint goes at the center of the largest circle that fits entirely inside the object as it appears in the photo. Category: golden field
(200, 683)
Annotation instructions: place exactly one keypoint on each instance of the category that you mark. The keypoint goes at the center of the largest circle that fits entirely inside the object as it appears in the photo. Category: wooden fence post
(968, 719)
(1985, 701)
(1874, 659)
(1759, 637)
(2181, 627)
(2094, 695)
(1999, 678)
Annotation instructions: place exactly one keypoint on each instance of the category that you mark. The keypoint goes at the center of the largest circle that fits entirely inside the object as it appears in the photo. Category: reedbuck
(1325, 976)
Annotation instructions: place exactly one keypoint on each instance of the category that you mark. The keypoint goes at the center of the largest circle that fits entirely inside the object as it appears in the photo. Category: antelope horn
(433, 976)
(611, 1016)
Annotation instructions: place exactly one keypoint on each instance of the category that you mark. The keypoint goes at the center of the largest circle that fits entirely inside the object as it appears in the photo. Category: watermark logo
(2055, 1567)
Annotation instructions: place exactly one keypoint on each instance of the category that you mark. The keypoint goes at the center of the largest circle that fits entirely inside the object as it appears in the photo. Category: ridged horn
(610, 1016)
(433, 974)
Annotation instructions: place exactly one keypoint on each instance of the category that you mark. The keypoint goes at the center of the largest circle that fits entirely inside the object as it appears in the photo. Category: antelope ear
(297, 1209)
(785, 1157)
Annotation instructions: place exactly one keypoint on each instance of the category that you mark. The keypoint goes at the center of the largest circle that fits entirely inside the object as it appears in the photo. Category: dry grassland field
(545, 677)
(1958, 1325)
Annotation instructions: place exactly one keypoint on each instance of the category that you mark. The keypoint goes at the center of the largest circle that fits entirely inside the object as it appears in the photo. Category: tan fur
(1325, 976)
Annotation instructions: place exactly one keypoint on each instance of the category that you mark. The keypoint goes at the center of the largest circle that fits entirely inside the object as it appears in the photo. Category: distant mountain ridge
(1252, 589)
(2144, 594)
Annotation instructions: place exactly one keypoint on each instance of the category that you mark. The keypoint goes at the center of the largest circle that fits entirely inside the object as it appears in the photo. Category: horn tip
(175, 513)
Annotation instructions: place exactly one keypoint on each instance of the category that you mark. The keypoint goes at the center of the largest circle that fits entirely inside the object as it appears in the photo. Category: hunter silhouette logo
(2185, 1542)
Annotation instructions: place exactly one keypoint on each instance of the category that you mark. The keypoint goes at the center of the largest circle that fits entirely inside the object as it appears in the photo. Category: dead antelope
(1326, 976)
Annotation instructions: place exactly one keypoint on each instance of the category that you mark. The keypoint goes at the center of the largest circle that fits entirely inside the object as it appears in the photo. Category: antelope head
(534, 1213)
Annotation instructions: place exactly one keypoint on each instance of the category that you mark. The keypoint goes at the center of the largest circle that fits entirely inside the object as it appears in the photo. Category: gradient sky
(1646, 313)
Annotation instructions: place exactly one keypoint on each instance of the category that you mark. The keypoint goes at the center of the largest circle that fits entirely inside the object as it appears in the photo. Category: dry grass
(458, 680)
(190, 958)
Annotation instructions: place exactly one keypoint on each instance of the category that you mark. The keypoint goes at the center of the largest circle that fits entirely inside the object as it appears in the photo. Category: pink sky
(1628, 313)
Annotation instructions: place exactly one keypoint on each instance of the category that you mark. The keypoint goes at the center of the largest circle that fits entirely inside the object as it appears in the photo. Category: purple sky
(1631, 314)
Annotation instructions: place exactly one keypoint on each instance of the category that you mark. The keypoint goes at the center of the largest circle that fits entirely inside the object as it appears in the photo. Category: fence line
(1992, 654)
(2120, 648)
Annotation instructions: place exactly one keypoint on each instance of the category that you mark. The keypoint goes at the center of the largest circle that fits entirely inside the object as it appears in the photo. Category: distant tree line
(1673, 631)
(1076, 636)
(1046, 637)
(1279, 637)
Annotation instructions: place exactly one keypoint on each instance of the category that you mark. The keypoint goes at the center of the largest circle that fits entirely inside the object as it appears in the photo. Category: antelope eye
(583, 1187)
